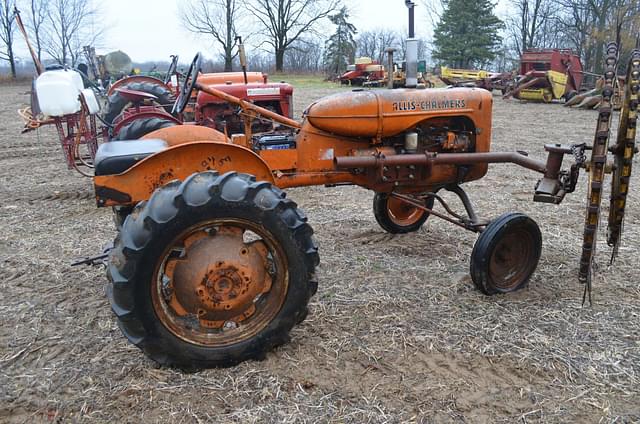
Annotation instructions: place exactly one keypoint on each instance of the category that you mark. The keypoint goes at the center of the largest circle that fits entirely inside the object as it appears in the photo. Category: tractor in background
(138, 104)
(364, 70)
(213, 265)
(547, 75)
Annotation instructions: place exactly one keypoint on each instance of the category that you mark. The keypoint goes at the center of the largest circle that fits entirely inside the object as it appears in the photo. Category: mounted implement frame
(213, 265)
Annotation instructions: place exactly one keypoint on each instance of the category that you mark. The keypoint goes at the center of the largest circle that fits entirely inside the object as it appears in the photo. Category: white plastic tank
(58, 92)
(91, 101)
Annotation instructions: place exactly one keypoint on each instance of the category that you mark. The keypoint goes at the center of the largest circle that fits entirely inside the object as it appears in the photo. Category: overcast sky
(149, 30)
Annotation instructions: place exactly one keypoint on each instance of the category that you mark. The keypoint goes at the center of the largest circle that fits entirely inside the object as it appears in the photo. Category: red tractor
(138, 105)
(364, 70)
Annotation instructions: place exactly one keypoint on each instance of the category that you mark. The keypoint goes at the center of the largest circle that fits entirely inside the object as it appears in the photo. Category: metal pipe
(411, 5)
(390, 67)
(248, 106)
(34, 57)
(349, 162)
(243, 59)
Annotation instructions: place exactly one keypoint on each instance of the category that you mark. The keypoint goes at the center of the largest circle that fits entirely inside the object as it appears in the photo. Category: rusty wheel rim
(512, 259)
(220, 282)
(403, 214)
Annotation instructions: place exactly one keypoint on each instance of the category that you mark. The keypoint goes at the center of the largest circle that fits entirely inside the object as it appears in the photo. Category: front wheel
(398, 217)
(212, 271)
(506, 254)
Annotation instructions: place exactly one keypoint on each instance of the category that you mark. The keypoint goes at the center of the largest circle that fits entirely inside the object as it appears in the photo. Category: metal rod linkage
(350, 162)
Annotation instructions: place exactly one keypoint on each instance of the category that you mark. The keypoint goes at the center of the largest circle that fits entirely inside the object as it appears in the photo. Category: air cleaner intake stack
(412, 50)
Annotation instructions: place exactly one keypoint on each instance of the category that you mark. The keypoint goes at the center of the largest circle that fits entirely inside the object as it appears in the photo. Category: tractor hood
(385, 113)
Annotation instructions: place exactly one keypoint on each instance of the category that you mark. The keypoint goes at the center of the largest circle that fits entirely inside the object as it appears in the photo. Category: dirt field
(396, 333)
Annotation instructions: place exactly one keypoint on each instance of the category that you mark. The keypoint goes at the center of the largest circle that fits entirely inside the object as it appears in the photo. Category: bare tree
(7, 30)
(434, 10)
(528, 27)
(367, 44)
(35, 22)
(216, 18)
(70, 25)
(373, 43)
(305, 55)
(285, 21)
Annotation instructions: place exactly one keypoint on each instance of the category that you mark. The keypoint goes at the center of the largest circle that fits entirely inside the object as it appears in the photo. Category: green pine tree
(340, 48)
(467, 35)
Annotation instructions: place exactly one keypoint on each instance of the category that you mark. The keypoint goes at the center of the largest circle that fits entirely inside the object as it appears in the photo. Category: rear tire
(168, 244)
(506, 254)
(138, 128)
(396, 217)
(116, 103)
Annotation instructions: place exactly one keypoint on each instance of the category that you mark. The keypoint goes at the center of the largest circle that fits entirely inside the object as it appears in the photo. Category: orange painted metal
(221, 280)
(347, 129)
(181, 134)
(231, 77)
(282, 160)
(177, 163)
(384, 113)
(221, 289)
(402, 213)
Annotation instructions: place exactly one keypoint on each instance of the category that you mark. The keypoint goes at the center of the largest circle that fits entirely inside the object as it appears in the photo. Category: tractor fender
(181, 134)
(177, 163)
(137, 78)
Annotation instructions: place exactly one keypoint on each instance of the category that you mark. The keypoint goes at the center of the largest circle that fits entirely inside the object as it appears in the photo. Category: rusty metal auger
(596, 168)
(623, 151)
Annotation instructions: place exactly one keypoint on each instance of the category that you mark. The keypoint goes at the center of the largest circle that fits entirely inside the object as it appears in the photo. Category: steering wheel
(172, 68)
(189, 85)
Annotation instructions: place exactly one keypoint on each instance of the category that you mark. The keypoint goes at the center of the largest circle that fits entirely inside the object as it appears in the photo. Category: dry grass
(397, 333)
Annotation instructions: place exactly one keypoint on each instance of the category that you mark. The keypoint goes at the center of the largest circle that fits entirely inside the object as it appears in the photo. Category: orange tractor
(213, 265)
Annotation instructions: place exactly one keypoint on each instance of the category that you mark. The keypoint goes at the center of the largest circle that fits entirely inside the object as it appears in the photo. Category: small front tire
(506, 254)
(398, 217)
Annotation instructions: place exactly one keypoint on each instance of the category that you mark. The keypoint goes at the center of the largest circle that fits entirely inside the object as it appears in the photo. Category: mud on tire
(173, 210)
(116, 103)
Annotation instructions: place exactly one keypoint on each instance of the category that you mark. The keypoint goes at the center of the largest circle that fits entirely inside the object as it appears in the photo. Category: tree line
(286, 34)
(469, 34)
(58, 29)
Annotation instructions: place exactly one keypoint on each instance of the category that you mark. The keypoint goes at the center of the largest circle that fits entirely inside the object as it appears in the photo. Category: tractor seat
(115, 157)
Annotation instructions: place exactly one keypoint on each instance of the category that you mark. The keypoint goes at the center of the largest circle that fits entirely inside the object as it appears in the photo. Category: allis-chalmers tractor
(213, 265)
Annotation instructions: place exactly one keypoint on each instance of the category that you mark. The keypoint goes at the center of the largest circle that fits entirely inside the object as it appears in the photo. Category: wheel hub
(218, 277)
(403, 213)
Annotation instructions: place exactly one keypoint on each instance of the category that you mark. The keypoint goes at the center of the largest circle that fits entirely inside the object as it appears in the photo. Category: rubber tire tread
(116, 103)
(138, 128)
(485, 243)
(177, 206)
(381, 213)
